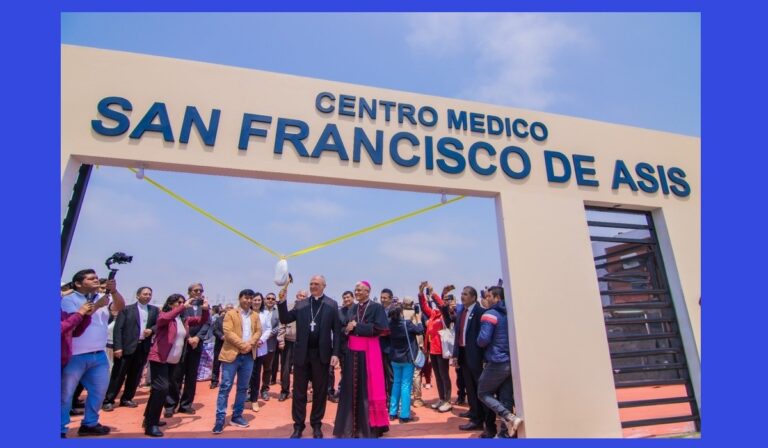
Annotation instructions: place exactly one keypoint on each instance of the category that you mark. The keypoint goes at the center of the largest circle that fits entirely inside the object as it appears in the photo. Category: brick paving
(273, 420)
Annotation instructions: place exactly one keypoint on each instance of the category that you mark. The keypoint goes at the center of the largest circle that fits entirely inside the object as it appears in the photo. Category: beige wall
(563, 378)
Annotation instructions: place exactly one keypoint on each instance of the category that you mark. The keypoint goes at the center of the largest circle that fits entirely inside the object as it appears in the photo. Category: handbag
(420, 359)
(447, 337)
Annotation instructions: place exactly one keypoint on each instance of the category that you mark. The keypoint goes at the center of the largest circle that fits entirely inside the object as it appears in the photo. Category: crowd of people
(384, 351)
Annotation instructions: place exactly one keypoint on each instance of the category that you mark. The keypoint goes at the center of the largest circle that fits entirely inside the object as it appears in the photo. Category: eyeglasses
(270, 298)
(198, 290)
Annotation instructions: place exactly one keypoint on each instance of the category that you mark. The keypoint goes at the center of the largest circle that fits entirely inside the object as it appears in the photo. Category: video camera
(119, 258)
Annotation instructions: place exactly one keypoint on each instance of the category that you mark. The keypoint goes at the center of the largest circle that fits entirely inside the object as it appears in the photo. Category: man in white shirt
(88, 364)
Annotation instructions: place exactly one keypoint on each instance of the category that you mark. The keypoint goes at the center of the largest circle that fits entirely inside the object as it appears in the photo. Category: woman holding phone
(167, 349)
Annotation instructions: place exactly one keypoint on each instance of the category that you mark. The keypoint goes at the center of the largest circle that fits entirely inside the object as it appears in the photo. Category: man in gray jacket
(266, 376)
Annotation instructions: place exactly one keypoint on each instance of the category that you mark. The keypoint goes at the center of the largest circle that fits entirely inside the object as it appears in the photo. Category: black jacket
(126, 332)
(218, 328)
(399, 350)
(329, 325)
(344, 318)
(197, 330)
(472, 351)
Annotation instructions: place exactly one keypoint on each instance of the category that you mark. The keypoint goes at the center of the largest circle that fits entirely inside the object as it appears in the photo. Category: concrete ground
(273, 420)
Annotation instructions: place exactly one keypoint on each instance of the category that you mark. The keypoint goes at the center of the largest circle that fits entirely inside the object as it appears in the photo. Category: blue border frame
(731, 73)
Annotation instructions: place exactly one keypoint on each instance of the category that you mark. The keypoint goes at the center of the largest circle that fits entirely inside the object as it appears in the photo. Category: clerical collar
(361, 308)
(316, 299)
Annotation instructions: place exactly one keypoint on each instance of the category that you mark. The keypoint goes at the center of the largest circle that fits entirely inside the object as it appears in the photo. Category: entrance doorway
(650, 371)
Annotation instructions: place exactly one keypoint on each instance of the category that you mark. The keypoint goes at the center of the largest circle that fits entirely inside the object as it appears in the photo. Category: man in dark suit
(317, 327)
(185, 372)
(469, 357)
(132, 339)
(347, 300)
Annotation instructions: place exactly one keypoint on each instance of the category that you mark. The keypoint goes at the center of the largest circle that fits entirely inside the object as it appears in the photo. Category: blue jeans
(496, 378)
(401, 389)
(242, 366)
(91, 369)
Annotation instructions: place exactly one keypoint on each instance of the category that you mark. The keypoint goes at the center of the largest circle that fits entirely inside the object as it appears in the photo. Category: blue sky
(637, 69)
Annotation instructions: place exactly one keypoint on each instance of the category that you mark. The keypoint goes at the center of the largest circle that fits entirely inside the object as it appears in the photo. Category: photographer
(166, 353)
(185, 374)
(88, 364)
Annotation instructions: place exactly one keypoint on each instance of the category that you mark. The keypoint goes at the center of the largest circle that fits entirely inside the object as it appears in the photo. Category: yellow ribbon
(371, 228)
(209, 216)
(310, 248)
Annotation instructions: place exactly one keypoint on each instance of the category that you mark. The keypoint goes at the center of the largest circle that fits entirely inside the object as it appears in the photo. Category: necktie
(138, 318)
(462, 322)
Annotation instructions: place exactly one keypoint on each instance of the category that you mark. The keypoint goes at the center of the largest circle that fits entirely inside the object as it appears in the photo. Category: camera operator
(88, 363)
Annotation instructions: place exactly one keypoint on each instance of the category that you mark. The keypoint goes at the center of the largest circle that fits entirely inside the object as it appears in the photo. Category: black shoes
(296, 434)
(153, 431)
(160, 423)
(129, 404)
(460, 401)
(406, 420)
(265, 395)
(471, 426)
(283, 396)
(77, 411)
(109, 407)
(214, 384)
(168, 413)
(465, 414)
(317, 433)
(189, 411)
(97, 430)
(392, 418)
(487, 435)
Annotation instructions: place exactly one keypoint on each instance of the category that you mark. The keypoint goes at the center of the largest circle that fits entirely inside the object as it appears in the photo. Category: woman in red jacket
(167, 350)
(435, 348)
(72, 326)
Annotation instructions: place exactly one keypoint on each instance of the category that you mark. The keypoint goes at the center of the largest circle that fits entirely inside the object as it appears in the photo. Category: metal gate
(649, 366)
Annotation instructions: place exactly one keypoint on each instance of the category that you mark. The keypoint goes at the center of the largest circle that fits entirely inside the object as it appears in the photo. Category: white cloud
(245, 189)
(298, 232)
(117, 211)
(316, 209)
(423, 248)
(516, 54)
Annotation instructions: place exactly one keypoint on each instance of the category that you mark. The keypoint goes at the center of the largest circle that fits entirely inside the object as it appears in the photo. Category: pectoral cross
(312, 326)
